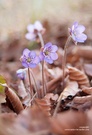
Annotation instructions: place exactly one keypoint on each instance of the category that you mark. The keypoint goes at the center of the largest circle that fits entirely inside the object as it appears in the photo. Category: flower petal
(25, 64)
(38, 26)
(80, 29)
(26, 52)
(48, 60)
(30, 36)
(75, 24)
(36, 60)
(81, 38)
(48, 45)
(32, 65)
(32, 54)
(54, 48)
(54, 56)
(30, 28)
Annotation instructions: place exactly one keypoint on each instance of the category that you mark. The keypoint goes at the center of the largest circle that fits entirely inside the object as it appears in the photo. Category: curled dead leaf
(79, 76)
(45, 105)
(87, 90)
(70, 89)
(14, 100)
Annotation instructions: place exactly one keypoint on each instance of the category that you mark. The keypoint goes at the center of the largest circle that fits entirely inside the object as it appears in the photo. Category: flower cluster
(33, 30)
(48, 52)
(77, 34)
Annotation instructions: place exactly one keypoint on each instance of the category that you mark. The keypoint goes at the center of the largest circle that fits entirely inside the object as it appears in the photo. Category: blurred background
(15, 15)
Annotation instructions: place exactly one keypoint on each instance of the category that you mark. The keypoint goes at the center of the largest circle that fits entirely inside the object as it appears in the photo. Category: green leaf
(2, 81)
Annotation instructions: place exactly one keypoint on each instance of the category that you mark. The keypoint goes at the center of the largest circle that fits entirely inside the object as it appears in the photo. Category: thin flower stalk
(31, 91)
(64, 59)
(63, 67)
(43, 78)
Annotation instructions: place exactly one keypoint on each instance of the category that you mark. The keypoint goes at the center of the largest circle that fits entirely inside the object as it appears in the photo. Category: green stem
(63, 67)
(43, 79)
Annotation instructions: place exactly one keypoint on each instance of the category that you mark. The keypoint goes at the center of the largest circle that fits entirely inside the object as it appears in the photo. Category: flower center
(46, 52)
(28, 60)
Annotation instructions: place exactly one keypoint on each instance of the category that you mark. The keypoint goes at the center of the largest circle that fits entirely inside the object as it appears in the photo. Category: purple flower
(29, 58)
(48, 53)
(77, 34)
(21, 73)
(33, 30)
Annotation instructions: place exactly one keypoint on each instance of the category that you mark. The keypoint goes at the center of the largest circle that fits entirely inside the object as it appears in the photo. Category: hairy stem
(63, 67)
(64, 58)
(43, 79)
(30, 82)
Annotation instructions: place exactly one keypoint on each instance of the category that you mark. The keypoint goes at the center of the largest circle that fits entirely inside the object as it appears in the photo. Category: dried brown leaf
(83, 51)
(33, 120)
(87, 90)
(88, 69)
(81, 103)
(70, 89)
(81, 100)
(53, 84)
(45, 105)
(14, 100)
(67, 123)
(79, 76)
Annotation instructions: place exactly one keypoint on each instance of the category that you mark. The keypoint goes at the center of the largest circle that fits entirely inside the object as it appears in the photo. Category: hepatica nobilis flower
(21, 73)
(33, 30)
(77, 34)
(29, 58)
(48, 53)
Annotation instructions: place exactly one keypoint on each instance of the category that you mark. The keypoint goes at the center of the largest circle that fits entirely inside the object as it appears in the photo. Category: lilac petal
(81, 38)
(21, 73)
(30, 28)
(38, 26)
(36, 60)
(80, 29)
(48, 44)
(32, 65)
(48, 60)
(26, 52)
(32, 54)
(75, 24)
(53, 56)
(54, 48)
(30, 36)
(41, 56)
(25, 64)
